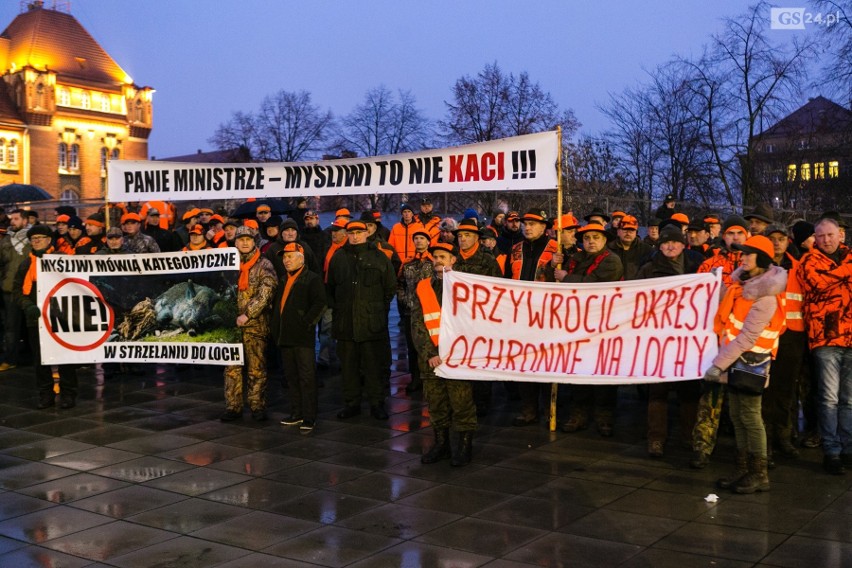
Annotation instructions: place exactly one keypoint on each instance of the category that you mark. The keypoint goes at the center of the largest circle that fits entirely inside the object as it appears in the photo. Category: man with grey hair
(14, 248)
(824, 277)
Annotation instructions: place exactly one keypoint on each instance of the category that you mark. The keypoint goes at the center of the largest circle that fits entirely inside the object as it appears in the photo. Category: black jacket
(361, 284)
(295, 326)
(318, 239)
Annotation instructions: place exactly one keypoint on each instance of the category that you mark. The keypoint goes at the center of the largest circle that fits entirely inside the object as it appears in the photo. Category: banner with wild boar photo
(177, 307)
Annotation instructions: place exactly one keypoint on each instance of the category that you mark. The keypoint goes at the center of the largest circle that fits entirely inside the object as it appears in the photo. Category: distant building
(65, 106)
(804, 161)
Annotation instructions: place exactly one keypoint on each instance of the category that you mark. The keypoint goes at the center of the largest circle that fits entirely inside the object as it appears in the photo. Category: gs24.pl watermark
(799, 18)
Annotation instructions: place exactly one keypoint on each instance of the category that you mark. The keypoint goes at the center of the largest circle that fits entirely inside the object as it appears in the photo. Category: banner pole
(554, 387)
(106, 195)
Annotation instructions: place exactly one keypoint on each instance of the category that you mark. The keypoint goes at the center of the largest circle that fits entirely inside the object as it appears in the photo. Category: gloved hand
(713, 374)
(32, 312)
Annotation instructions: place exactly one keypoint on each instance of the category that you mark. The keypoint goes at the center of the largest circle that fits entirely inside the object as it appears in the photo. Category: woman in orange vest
(750, 320)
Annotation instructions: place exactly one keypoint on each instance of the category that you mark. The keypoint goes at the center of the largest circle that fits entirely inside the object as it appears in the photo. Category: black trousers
(300, 372)
(367, 360)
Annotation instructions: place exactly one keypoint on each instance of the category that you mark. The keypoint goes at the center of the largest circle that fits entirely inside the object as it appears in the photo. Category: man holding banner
(255, 288)
(450, 401)
(595, 263)
(25, 293)
(528, 261)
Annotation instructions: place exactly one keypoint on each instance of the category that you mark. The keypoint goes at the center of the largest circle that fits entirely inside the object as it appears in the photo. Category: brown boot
(740, 470)
(757, 478)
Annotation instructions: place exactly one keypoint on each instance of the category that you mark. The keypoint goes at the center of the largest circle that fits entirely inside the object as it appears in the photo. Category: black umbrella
(20, 192)
(248, 209)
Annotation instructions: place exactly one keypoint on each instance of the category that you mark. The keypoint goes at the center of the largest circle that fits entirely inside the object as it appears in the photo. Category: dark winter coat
(361, 284)
(632, 258)
(271, 253)
(318, 239)
(660, 266)
(295, 326)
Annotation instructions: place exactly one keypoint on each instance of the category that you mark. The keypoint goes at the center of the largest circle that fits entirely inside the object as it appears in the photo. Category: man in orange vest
(450, 401)
(780, 401)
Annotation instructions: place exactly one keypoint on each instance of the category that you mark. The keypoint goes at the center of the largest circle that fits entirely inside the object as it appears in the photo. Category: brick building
(65, 106)
(804, 161)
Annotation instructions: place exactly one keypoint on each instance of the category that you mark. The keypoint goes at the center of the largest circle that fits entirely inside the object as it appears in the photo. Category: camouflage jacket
(413, 271)
(255, 301)
(140, 243)
(480, 262)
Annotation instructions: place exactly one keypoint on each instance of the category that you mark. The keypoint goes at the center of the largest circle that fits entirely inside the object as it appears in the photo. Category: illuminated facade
(65, 106)
(805, 159)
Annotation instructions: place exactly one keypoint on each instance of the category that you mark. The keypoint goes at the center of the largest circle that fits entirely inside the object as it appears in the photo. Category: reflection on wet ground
(142, 473)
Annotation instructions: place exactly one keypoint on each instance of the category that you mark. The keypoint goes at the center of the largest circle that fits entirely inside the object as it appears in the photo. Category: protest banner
(519, 163)
(640, 331)
(175, 307)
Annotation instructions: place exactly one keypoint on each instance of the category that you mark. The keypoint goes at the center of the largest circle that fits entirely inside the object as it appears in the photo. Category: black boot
(441, 449)
(461, 455)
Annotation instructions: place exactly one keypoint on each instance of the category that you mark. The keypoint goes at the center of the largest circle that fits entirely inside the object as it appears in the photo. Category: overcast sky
(209, 59)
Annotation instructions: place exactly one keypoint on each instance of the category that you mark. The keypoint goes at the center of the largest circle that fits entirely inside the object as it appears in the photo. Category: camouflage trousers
(254, 347)
(450, 401)
(707, 420)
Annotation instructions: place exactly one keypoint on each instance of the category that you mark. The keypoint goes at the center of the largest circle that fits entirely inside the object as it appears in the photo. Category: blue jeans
(834, 378)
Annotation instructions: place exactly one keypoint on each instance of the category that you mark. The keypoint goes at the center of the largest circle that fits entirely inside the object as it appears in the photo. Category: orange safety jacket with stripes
(732, 315)
(431, 308)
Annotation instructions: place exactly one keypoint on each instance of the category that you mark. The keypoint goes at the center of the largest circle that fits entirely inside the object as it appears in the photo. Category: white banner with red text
(640, 331)
(177, 307)
(519, 163)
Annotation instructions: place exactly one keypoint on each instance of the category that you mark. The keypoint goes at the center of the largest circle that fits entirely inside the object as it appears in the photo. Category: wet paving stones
(142, 473)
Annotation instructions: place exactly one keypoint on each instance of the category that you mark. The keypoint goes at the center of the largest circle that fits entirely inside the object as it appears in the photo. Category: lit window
(833, 169)
(103, 159)
(64, 97)
(86, 100)
(63, 156)
(819, 170)
(806, 172)
(69, 195)
(12, 155)
(2, 152)
(105, 107)
(74, 157)
(791, 172)
(115, 154)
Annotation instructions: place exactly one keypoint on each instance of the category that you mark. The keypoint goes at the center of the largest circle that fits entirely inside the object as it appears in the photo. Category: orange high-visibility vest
(431, 308)
(517, 258)
(794, 299)
(732, 315)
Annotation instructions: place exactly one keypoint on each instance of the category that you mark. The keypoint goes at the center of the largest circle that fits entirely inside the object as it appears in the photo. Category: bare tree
(836, 40)
(493, 105)
(630, 139)
(384, 124)
(291, 128)
(238, 132)
(762, 82)
(286, 128)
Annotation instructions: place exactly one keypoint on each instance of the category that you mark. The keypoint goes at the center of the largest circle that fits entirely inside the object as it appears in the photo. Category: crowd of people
(317, 296)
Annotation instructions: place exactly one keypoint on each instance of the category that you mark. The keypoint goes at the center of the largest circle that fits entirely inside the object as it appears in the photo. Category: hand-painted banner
(519, 163)
(175, 307)
(640, 331)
